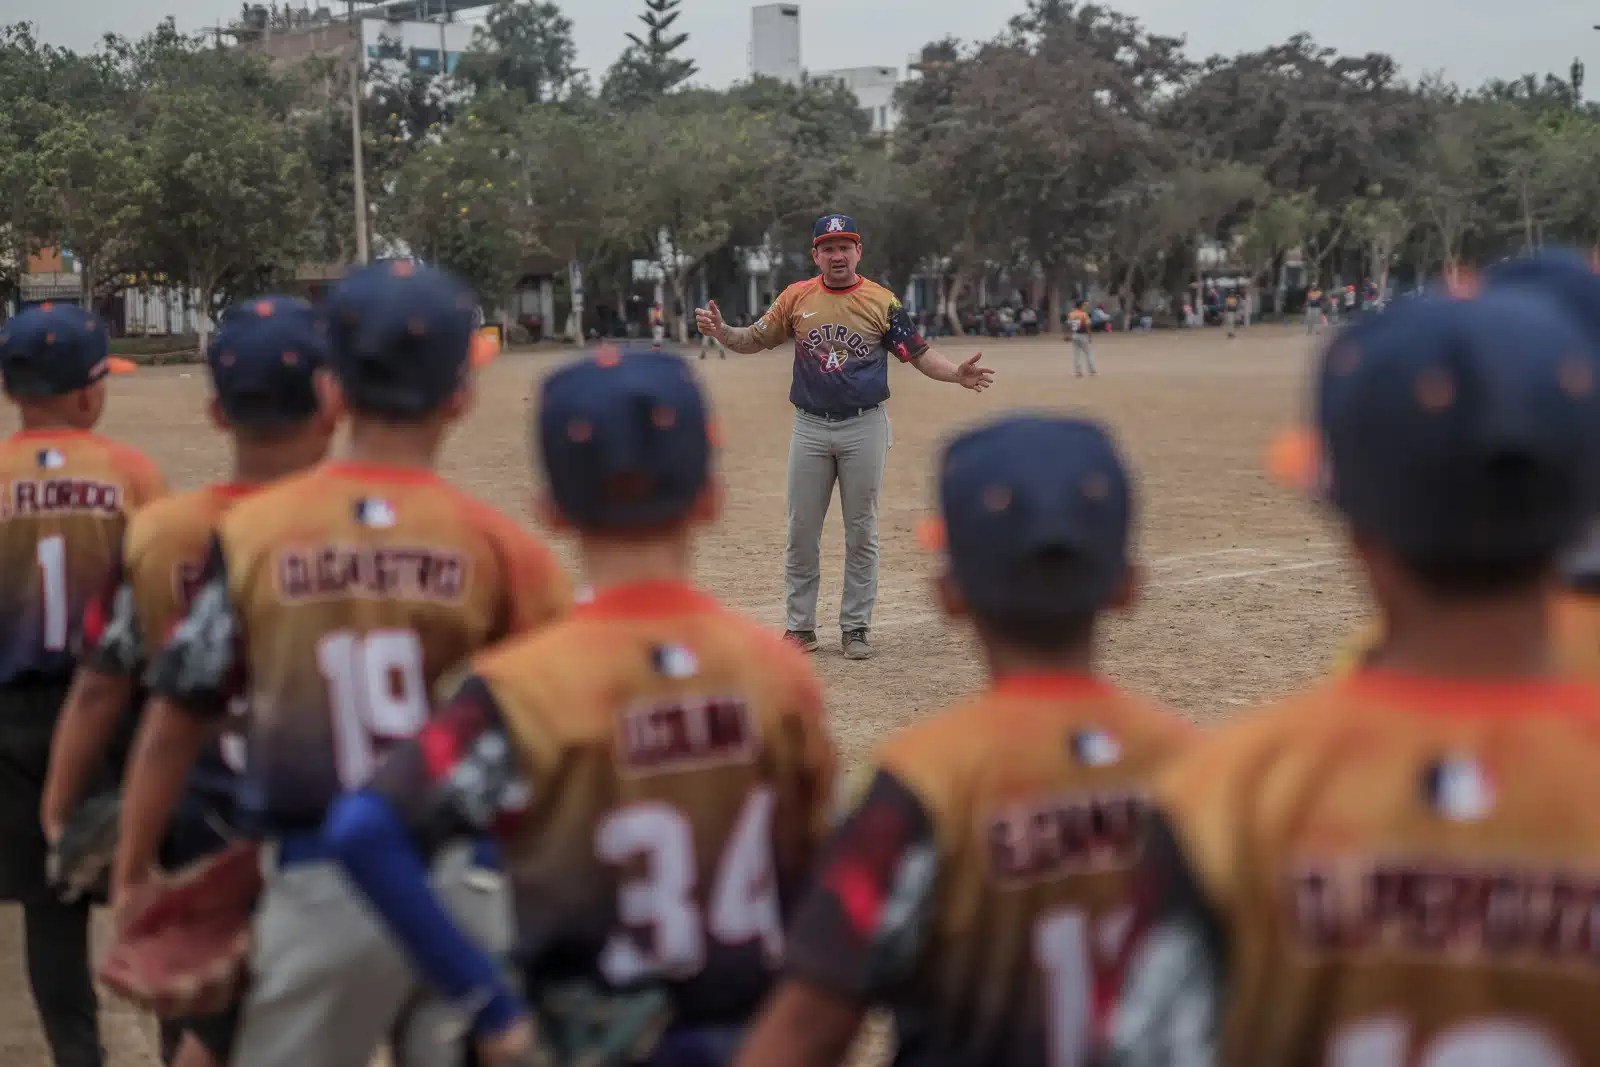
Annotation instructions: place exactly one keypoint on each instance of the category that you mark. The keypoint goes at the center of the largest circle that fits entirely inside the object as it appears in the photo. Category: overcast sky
(1468, 40)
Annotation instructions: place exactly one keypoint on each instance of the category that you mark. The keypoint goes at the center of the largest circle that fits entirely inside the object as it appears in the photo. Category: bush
(519, 335)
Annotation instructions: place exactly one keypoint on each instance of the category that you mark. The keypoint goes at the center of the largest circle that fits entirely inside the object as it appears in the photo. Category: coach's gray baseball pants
(852, 452)
(328, 986)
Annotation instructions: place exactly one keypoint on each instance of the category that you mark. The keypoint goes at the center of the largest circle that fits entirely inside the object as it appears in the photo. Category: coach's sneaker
(804, 640)
(855, 645)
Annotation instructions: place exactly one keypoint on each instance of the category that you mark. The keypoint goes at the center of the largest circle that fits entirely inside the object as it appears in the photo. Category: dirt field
(1246, 592)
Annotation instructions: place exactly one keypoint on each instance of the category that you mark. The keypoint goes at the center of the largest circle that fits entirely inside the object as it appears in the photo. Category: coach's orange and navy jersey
(1387, 870)
(984, 872)
(333, 601)
(659, 771)
(842, 340)
(65, 499)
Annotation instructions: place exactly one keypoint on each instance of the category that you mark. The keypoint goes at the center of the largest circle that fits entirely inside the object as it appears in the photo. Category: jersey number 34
(663, 927)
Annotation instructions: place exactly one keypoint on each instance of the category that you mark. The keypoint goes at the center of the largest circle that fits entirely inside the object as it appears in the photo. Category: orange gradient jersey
(1384, 872)
(659, 771)
(163, 558)
(984, 872)
(65, 500)
(334, 600)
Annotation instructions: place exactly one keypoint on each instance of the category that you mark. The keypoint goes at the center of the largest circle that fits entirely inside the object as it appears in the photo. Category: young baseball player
(1568, 280)
(65, 497)
(656, 766)
(1399, 866)
(331, 602)
(264, 363)
(982, 871)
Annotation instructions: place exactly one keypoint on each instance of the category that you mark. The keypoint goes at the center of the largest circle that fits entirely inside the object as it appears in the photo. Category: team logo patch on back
(51, 459)
(1095, 748)
(674, 661)
(1458, 788)
(375, 512)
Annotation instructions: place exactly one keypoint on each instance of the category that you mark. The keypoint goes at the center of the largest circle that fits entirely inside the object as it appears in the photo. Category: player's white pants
(328, 987)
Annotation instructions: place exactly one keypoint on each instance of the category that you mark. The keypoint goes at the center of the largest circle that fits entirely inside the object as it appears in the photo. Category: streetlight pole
(359, 167)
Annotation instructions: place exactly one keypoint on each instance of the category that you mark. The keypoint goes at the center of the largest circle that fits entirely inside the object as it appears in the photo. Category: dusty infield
(1245, 588)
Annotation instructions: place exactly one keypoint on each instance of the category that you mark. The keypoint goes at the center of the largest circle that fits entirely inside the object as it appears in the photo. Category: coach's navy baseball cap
(626, 440)
(51, 349)
(834, 226)
(1464, 431)
(401, 337)
(1035, 514)
(264, 359)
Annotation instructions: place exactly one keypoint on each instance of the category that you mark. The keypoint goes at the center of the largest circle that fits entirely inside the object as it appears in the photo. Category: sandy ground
(1246, 590)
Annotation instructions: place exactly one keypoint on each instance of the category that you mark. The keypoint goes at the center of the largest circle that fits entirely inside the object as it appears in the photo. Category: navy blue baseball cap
(401, 337)
(834, 226)
(50, 349)
(1464, 431)
(1563, 275)
(626, 440)
(264, 359)
(1035, 516)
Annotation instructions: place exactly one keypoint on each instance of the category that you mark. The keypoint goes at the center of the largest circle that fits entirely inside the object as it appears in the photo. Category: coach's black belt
(841, 414)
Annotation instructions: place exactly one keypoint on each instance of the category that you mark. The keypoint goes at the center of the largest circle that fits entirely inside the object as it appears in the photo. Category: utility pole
(362, 255)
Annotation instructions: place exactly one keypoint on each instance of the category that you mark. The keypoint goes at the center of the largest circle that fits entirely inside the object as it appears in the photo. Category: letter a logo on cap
(836, 225)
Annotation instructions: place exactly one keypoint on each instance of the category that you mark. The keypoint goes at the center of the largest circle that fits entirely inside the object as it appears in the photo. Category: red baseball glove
(184, 945)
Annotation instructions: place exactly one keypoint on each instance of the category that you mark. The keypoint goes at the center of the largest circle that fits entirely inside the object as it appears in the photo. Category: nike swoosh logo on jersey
(808, 314)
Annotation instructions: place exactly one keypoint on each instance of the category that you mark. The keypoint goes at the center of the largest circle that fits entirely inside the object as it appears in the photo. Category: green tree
(87, 172)
(704, 168)
(221, 205)
(649, 67)
(525, 48)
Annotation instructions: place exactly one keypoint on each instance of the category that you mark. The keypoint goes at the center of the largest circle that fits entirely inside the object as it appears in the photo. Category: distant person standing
(844, 329)
(1080, 326)
(1313, 310)
(1230, 312)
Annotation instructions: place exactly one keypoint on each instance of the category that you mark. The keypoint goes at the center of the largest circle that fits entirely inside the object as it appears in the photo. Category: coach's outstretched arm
(968, 375)
(742, 339)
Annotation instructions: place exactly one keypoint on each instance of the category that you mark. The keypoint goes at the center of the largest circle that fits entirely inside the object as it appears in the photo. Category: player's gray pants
(1081, 354)
(1313, 319)
(328, 987)
(851, 452)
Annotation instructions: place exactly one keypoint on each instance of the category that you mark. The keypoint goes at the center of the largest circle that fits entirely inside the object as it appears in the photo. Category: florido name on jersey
(60, 496)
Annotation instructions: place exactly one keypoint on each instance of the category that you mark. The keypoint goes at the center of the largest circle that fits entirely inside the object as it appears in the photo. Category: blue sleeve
(366, 835)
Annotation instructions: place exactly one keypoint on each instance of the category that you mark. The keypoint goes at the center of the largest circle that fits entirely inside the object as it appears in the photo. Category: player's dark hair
(1037, 634)
(1040, 631)
(1449, 579)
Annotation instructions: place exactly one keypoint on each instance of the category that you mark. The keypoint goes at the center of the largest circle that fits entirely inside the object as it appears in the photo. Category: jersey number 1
(377, 692)
(744, 897)
(52, 556)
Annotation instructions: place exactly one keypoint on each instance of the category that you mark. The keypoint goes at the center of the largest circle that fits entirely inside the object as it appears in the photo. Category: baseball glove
(79, 864)
(184, 945)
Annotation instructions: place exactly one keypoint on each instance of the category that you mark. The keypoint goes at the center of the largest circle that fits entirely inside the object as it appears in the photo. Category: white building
(775, 42)
(874, 89)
